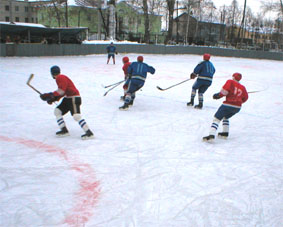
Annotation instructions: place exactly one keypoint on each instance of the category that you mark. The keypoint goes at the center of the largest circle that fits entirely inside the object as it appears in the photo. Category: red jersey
(235, 93)
(65, 87)
(125, 69)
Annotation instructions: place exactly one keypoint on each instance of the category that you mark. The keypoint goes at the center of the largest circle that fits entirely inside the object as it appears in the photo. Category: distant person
(71, 102)
(137, 75)
(125, 67)
(18, 39)
(8, 39)
(236, 94)
(44, 41)
(204, 72)
(111, 50)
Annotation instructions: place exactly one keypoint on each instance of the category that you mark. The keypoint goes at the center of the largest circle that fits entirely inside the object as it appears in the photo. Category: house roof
(194, 17)
(37, 29)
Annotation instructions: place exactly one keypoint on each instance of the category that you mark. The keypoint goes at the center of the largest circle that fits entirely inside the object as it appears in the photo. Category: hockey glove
(193, 76)
(217, 96)
(46, 96)
(49, 97)
(125, 86)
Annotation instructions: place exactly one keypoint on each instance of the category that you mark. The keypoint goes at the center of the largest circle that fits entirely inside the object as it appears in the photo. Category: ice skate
(87, 135)
(223, 135)
(63, 132)
(191, 103)
(199, 106)
(209, 138)
(124, 107)
(131, 103)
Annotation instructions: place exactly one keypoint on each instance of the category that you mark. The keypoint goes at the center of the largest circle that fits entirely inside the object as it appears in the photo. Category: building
(191, 31)
(18, 11)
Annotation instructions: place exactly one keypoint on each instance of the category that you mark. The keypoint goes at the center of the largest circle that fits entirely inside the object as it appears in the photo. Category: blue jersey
(139, 70)
(111, 49)
(205, 70)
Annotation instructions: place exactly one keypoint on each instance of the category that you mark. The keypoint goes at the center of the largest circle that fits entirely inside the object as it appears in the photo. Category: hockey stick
(28, 83)
(110, 85)
(112, 88)
(164, 89)
(249, 92)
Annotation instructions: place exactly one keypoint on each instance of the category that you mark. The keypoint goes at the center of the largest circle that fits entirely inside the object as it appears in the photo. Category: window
(32, 20)
(26, 20)
(17, 19)
(16, 8)
(7, 8)
(26, 9)
(7, 19)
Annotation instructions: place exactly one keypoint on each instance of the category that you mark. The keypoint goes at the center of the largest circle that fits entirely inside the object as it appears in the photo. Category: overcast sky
(253, 4)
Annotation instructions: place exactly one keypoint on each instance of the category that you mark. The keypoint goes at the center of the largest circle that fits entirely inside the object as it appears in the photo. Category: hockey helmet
(125, 59)
(55, 70)
(237, 76)
(140, 58)
(206, 57)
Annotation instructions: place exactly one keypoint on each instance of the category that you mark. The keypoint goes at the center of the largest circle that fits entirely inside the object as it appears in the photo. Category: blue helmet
(55, 70)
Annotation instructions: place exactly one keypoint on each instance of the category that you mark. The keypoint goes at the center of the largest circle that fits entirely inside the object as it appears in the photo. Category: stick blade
(159, 88)
(30, 78)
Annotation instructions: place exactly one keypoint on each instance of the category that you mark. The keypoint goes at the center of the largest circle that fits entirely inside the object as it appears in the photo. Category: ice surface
(148, 166)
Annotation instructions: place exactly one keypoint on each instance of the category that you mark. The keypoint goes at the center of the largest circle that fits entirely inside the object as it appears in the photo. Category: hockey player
(111, 50)
(236, 94)
(137, 75)
(125, 67)
(204, 72)
(71, 102)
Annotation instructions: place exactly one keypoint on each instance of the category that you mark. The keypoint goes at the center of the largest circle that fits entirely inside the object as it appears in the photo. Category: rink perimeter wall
(34, 50)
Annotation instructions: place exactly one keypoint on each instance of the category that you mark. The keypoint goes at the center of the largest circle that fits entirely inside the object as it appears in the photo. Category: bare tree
(54, 5)
(98, 5)
(170, 8)
(189, 5)
(146, 22)
(272, 7)
(242, 24)
(57, 11)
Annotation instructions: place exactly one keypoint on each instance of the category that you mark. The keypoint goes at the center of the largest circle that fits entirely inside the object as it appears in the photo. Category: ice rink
(148, 166)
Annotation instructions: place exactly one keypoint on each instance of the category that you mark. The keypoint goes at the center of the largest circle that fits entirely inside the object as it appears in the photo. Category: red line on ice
(86, 197)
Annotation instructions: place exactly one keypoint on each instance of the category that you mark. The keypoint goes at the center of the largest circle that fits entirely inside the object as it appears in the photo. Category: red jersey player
(71, 102)
(236, 94)
(125, 67)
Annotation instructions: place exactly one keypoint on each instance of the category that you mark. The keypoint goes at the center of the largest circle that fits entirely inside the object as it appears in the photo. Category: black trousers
(70, 104)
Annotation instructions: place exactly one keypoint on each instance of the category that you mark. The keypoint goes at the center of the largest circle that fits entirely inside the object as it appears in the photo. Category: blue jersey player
(111, 50)
(204, 72)
(137, 75)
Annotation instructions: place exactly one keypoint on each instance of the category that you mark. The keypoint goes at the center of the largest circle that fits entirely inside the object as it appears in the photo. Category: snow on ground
(148, 166)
